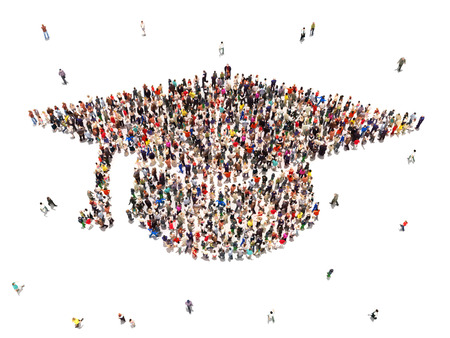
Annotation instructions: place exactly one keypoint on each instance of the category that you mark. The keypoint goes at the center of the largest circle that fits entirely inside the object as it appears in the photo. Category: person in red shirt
(403, 225)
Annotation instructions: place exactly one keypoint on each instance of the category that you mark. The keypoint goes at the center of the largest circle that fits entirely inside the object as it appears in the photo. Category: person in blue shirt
(17, 289)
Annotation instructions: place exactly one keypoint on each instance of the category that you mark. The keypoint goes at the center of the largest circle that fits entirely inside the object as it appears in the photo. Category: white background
(92, 274)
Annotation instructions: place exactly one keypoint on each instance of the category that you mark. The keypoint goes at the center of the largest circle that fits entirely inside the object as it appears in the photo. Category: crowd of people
(222, 165)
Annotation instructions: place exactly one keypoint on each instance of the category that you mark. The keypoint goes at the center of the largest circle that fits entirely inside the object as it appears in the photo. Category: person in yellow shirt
(77, 322)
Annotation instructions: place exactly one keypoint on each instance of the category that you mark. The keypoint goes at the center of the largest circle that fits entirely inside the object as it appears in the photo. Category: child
(132, 323)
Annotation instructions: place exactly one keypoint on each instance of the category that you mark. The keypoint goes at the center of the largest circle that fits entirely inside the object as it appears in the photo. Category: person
(63, 76)
(122, 319)
(51, 203)
(400, 62)
(132, 323)
(313, 27)
(270, 317)
(143, 28)
(302, 36)
(420, 122)
(221, 49)
(374, 315)
(44, 29)
(189, 306)
(335, 200)
(329, 273)
(411, 157)
(17, 289)
(405, 223)
(44, 209)
(77, 322)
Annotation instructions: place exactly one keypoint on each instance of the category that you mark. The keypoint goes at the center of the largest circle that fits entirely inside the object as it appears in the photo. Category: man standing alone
(143, 27)
(313, 26)
(44, 29)
(400, 62)
(63, 76)
(221, 49)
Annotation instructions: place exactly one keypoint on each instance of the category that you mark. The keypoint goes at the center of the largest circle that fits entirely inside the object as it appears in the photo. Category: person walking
(221, 49)
(122, 319)
(189, 306)
(63, 76)
(374, 315)
(132, 323)
(313, 27)
(405, 223)
(77, 322)
(420, 122)
(143, 28)
(302, 36)
(329, 273)
(17, 289)
(334, 201)
(411, 157)
(400, 62)
(271, 317)
(44, 209)
(44, 29)
(51, 203)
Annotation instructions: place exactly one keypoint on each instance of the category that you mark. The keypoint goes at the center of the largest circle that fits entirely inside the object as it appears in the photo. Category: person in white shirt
(143, 27)
(221, 49)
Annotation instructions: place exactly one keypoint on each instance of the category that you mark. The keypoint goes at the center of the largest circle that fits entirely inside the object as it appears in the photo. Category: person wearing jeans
(44, 29)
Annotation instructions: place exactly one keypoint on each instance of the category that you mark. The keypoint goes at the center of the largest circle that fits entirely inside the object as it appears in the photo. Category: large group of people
(223, 162)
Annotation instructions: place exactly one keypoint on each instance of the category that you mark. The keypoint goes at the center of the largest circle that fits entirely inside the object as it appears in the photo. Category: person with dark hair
(329, 273)
(44, 209)
(143, 27)
(374, 315)
(411, 157)
(51, 203)
(302, 36)
(189, 306)
(63, 76)
(221, 49)
(271, 317)
(17, 289)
